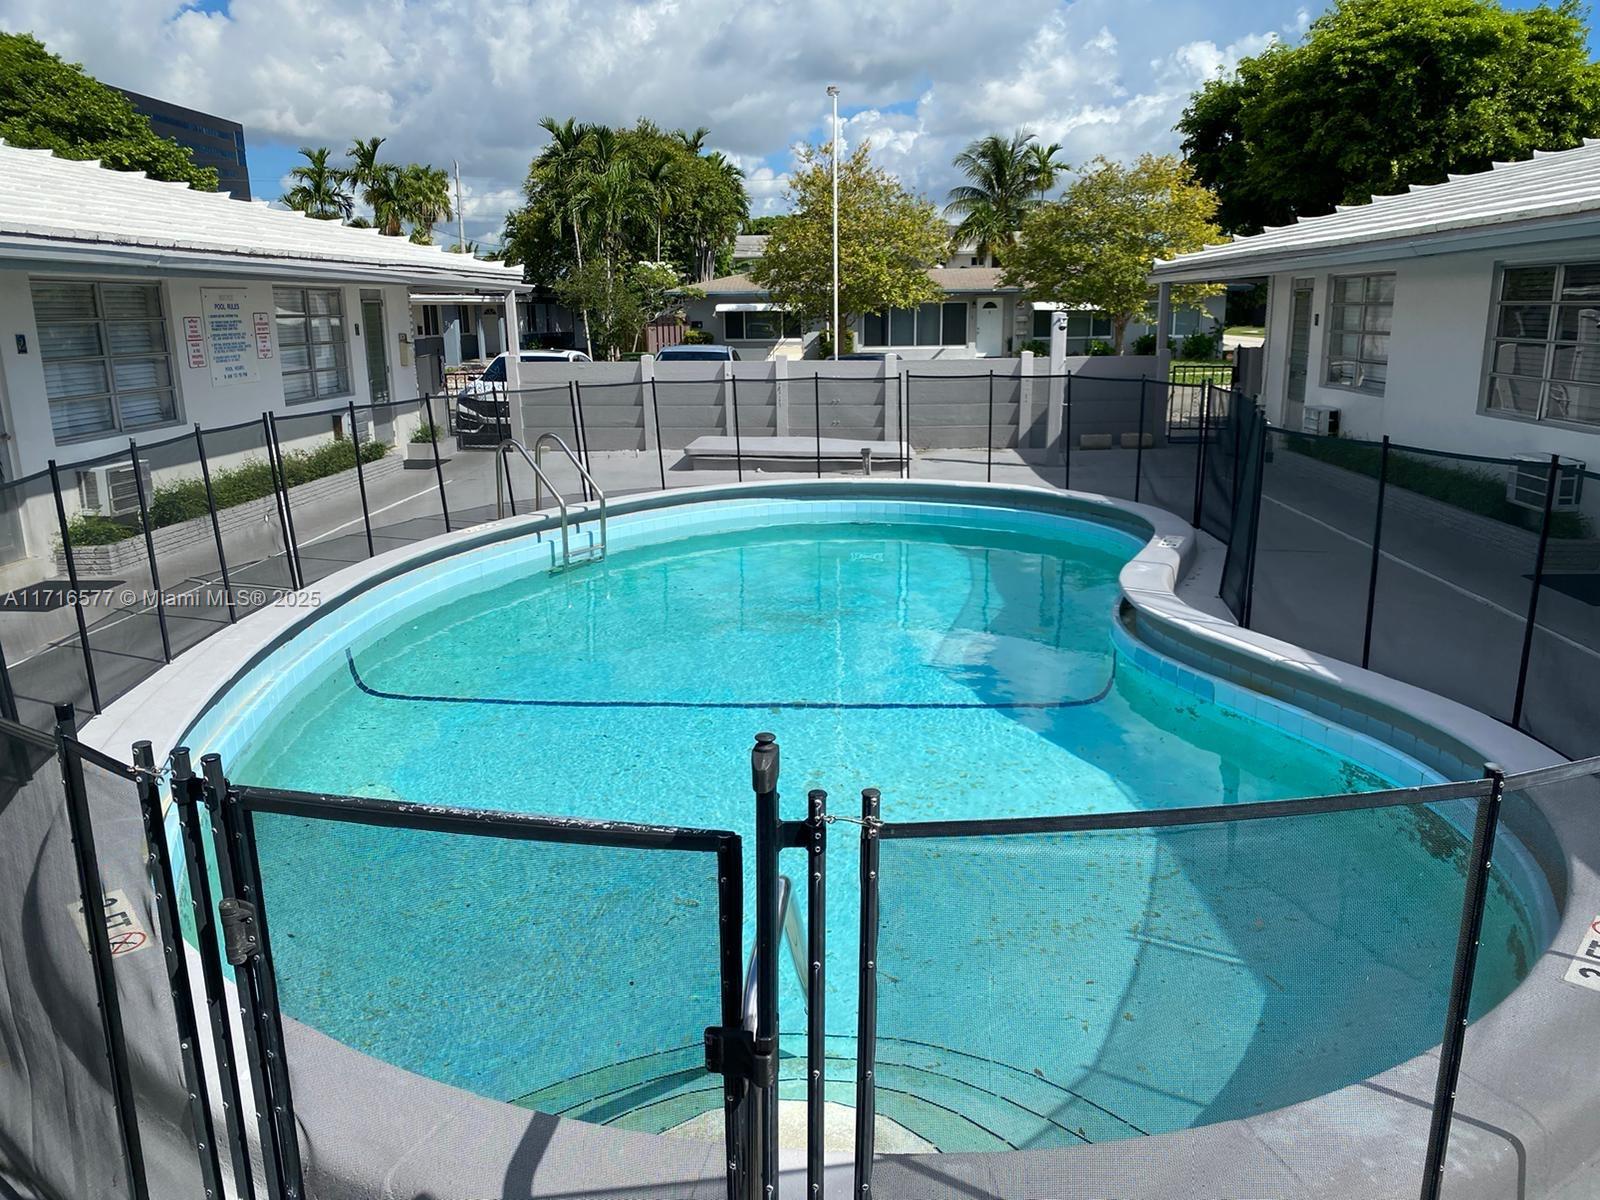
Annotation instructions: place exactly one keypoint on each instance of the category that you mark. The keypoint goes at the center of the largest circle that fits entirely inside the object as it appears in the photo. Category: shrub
(697, 337)
(1036, 346)
(1199, 347)
(825, 343)
(92, 529)
(1099, 349)
(185, 500)
(423, 434)
(1145, 343)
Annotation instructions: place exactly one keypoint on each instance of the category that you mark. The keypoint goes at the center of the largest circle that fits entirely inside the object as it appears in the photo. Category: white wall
(27, 415)
(1437, 355)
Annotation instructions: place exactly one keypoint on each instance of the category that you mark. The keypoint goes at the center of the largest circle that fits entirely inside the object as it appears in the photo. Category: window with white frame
(763, 325)
(1360, 316)
(1545, 359)
(1082, 328)
(103, 347)
(311, 343)
(936, 324)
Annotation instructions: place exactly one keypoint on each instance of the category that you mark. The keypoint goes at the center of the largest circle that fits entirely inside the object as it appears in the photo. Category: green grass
(1471, 488)
(1185, 370)
(1247, 330)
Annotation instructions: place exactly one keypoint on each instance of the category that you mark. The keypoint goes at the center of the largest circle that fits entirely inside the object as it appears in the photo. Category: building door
(990, 334)
(376, 349)
(1299, 354)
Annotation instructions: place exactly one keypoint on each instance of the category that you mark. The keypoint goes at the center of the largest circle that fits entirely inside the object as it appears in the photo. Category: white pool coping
(1528, 1109)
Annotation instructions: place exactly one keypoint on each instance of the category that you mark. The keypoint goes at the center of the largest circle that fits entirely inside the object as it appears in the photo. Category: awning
(1058, 306)
(488, 298)
(751, 306)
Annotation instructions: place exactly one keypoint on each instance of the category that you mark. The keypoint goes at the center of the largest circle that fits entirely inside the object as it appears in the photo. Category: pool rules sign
(229, 336)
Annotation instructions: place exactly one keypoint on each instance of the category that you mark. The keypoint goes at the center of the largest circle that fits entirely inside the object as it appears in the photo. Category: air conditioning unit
(111, 490)
(1320, 419)
(1528, 478)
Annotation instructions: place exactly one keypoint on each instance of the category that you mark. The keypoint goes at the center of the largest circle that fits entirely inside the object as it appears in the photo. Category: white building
(1463, 316)
(133, 308)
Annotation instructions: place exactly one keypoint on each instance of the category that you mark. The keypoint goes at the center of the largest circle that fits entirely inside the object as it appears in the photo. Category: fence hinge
(737, 1054)
(239, 941)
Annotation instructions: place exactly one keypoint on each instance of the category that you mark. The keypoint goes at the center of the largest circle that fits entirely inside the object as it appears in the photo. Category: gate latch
(736, 1053)
(239, 941)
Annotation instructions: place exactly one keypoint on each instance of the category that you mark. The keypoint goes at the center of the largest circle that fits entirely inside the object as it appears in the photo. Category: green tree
(365, 175)
(1003, 174)
(1382, 94)
(887, 239)
(1095, 246)
(1046, 167)
(48, 104)
(424, 199)
(318, 189)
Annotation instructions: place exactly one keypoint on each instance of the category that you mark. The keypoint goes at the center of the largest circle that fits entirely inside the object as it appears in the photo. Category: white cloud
(470, 80)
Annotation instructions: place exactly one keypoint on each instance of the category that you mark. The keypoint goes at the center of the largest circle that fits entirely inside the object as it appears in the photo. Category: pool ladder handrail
(795, 935)
(541, 481)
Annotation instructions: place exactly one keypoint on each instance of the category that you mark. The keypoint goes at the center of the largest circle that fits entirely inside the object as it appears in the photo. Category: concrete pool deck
(1527, 1120)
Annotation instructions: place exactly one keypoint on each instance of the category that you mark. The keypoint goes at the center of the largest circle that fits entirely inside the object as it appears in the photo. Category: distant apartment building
(216, 141)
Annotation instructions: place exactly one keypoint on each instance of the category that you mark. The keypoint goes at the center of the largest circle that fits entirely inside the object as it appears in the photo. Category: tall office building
(216, 141)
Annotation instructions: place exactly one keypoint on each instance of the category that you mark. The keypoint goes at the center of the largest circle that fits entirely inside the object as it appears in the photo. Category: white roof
(1520, 201)
(64, 212)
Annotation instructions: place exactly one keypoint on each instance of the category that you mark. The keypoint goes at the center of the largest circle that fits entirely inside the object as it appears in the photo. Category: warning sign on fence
(122, 924)
(1584, 970)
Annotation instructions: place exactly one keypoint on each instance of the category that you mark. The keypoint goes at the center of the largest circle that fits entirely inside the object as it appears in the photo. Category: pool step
(952, 1100)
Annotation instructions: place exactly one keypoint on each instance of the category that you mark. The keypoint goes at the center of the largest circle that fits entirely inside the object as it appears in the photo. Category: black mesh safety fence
(1244, 523)
(1051, 984)
(240, 464)
(470, 964)
(323, 487)
(1105, 423)
(1314, 557)
(1169, 458)
(1557, 700)
(188, 580)
(404, 488)
(44, 617)
(547, 409)
(617, 446)
(103, 1085)
(1455, 570)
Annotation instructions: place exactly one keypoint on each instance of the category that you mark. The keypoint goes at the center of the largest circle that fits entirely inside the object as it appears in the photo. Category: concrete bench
(714, 447)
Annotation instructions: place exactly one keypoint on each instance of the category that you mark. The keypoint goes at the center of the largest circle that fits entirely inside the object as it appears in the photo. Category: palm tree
(384, 192)
(561, 165)
(318, 189)
(364, 173)
(694, 142)
(1002, 176)
(425, 198)
(1044, 164)
(663, 182)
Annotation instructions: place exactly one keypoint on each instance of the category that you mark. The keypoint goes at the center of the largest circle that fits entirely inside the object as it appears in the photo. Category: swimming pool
(965, 659)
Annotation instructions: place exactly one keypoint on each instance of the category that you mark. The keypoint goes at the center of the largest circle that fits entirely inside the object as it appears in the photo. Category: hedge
(173, 503)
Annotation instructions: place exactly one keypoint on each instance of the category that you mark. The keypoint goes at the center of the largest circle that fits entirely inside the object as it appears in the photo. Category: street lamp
(834, 93)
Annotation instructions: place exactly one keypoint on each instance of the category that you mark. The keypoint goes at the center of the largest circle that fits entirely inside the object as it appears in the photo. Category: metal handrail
(795, 935)
(600, 496)
(500, 488)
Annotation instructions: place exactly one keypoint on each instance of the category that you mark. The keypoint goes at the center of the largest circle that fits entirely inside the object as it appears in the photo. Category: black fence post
(1066, 437)
(764, 780)
(738, 444)
(72, 582)
(164, 888)
(1533, 594)
(281, 482)
(905, 425)
(150, 549)
(244, 938)
(8, 694)
(1255, 517)
(1138, 451)
(816, 405)
(661, 453)
(87, 861)
(186, 799)
(1377, 553)
(216, 523)
(1200, 454)
(1473, 900)
(988, 436)
(730, 941)
(361, 478)
(438, 463)
(816, 990)
(867, 998)
(582, 448)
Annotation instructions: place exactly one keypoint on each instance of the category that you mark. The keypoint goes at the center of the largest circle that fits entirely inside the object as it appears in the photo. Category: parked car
(483, 414)
(690, 352)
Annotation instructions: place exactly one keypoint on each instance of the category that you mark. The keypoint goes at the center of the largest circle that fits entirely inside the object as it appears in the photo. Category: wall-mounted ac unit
(1320, 419)
(1528, 478)
(111, 490)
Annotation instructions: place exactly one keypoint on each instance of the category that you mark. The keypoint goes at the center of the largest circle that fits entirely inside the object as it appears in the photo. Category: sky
(469, 80)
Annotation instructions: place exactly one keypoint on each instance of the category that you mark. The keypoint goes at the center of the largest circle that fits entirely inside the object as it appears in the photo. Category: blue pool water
(1033, 992)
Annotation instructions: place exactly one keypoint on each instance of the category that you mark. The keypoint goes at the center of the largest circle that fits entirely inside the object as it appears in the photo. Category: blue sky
(469, 79)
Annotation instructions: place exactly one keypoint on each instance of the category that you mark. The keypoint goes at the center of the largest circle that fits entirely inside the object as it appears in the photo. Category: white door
(1299, 353)
(991, 337)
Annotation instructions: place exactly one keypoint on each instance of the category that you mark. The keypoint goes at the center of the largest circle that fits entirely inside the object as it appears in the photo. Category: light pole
(834, 93)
